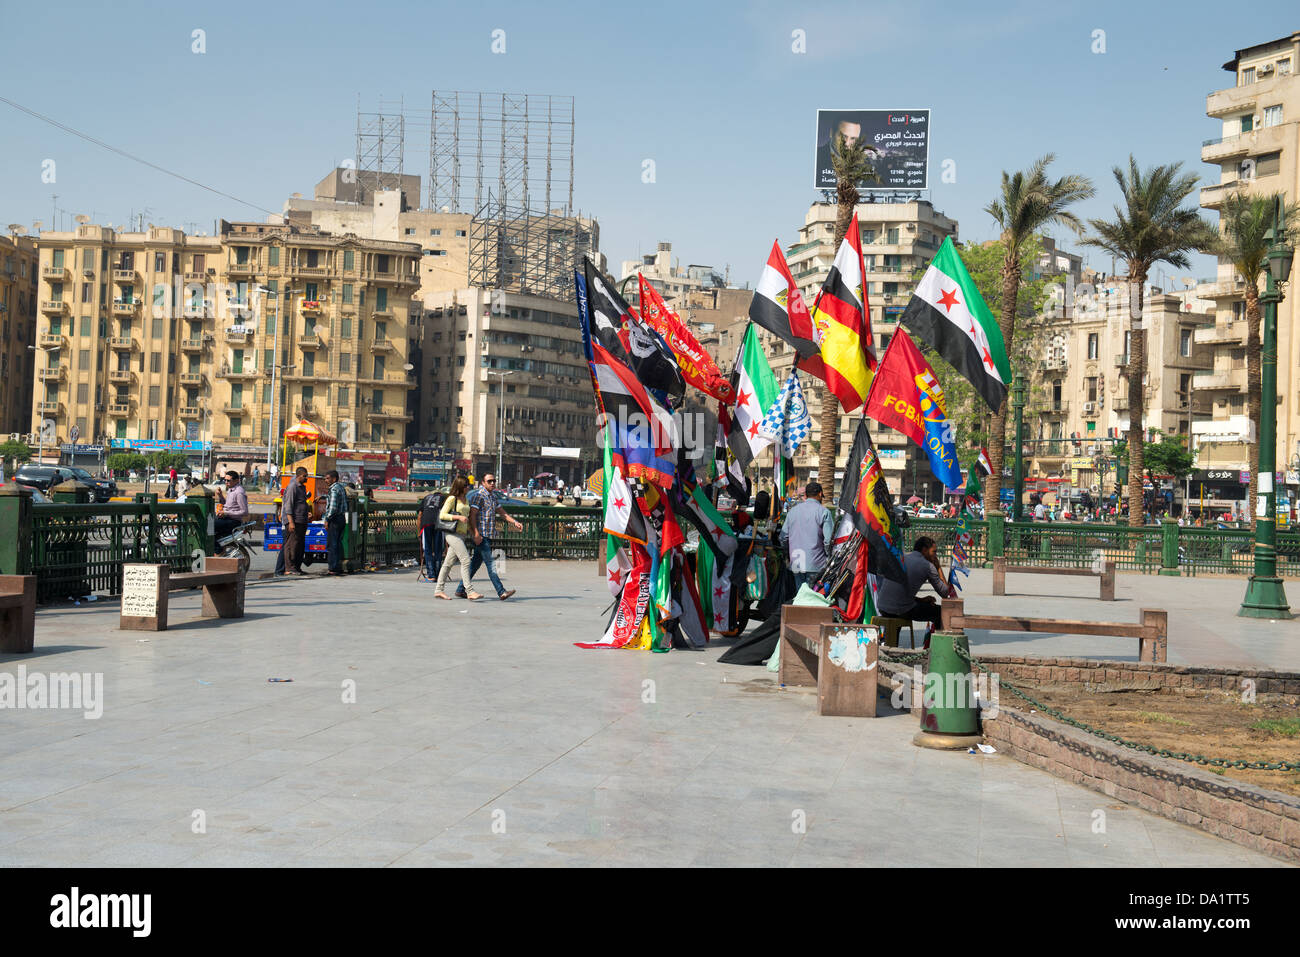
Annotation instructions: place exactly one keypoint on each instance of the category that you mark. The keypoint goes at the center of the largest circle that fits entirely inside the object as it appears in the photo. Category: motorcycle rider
(234, 502)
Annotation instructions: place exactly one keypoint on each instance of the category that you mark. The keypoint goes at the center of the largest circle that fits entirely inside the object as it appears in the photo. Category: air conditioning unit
(1090, 407)
(15, 436)
(1264, 70)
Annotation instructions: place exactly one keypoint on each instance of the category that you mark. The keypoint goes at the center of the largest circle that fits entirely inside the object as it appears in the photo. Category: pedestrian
(432, 544)
(336, 513)
(296, 515)
(257, 476)
(485, 506)
(807, 532)
(234, 506)
(454, 521)
(171, 482)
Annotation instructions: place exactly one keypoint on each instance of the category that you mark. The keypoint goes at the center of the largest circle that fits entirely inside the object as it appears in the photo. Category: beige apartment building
(1257, 151)
(1078, 397)
(670, 279)
(507, 375)
(18, 296)
(158, 335)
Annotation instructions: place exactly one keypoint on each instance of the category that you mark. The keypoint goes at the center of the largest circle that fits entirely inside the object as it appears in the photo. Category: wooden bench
(145, 589)
(17, 614)
(846, 687)
(1151, 631)
(1107, 575)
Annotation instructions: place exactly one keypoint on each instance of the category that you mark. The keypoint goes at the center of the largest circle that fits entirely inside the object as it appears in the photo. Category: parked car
(105, 489)
(927, 512)
(43, 477)
(38, 497)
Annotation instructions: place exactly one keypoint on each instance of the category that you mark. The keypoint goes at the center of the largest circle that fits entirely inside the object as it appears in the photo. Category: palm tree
(1246, 220)
(851, 165)
(1151, 226)
(1029, 201)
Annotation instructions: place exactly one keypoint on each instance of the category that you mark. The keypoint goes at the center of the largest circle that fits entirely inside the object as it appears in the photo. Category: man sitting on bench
(899, 601)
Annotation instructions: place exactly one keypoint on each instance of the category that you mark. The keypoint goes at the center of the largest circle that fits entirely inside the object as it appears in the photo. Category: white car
(927, 513)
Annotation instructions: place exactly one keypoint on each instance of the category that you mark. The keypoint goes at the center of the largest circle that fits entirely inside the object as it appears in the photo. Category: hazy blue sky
(710, 91)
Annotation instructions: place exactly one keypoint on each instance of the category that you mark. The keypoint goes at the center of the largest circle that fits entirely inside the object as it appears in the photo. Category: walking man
(336, 513)
(485, 506)
(297, 514)
(807, 531)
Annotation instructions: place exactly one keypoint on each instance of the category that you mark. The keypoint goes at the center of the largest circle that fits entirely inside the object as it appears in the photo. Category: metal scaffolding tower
(516, 250)
(381, 146)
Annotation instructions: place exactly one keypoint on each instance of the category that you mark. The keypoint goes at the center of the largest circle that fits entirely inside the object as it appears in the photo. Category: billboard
(900, 138)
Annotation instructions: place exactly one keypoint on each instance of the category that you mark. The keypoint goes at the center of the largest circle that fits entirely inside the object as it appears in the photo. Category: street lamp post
(501, 415)
(1018, 476)
(1265, 594)
(275, 365)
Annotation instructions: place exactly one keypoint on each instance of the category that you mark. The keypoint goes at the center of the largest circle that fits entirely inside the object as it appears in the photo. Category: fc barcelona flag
(868, 507)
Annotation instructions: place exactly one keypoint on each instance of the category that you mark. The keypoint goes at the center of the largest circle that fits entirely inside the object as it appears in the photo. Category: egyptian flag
(756, 389)
(628, 338)
(869, 508)
(947, 312)
(779, 308)
(842, 317)
(696, 364)
(983, 463)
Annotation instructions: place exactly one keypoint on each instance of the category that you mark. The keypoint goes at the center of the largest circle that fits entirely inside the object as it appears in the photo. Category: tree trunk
(998, 427)
(1136, 403)
(1254, 389)
(829, 448)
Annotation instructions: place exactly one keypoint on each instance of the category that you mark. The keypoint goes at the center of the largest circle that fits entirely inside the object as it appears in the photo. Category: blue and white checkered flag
(788, 421)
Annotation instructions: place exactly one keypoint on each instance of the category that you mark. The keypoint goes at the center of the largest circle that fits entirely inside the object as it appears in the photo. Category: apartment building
(1258, 151)
(18, 296)
(671, 280)
(507, 375)
(1078, 397)
(158, 335)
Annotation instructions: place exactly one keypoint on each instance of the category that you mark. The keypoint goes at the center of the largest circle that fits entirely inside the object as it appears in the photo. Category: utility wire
(113, 149)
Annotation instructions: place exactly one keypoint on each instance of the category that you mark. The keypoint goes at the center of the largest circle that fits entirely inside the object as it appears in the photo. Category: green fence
(77, 550)
(1152, 549)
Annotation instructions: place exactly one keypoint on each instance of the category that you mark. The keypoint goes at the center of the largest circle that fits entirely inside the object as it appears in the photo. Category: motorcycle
(238, 544)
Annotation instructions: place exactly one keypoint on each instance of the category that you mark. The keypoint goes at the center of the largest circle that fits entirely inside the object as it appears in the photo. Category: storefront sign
(159, 445)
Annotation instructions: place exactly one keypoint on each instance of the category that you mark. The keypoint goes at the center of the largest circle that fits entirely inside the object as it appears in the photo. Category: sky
(713, 93)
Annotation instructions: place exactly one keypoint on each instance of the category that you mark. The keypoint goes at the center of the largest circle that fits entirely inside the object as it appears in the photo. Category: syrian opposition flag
(724, 461)
(842, 317)
(947, 311)
(623, 517)
(779, 308)
(756, 390)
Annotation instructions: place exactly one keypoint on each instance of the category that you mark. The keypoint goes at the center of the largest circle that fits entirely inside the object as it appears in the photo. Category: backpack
(430, 506)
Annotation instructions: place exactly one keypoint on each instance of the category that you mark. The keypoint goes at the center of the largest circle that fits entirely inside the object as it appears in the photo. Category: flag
(778, 307)
(725, 463)
(985, 466)
(868, 507)
(630, 606)
(713, 564)
(697, 366)
(907, 397)
(629, 339)
(842, 317)
(623, 517)
(947, 312)
(788, 421)
(756, 390)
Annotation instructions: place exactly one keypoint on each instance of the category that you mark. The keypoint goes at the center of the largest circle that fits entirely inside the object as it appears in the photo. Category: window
(1268, 164)
(83, 392)
(349, 257)
(159, 262)
(381, 262)
(83, 359)
(892, 236)
(86, 291)
(155, 395)
(1237, 404)
(347, 293)
(345, 327)
(1128, 341)
(157, 332)
(435, 232)
(1247, 122)
(273, 256)
(313, 258)
(381, 300)
(461, 232)
(1185, 342)
(1237, 359)
(85, 325)
(1093, 345)
(343, 397)
(1284, 67)
(155, 362)
(1092, 388)
(1273, 115)
(1248, 75)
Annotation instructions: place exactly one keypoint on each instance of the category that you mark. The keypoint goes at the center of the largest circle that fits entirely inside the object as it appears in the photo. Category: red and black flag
(629, 339)
(869, 508)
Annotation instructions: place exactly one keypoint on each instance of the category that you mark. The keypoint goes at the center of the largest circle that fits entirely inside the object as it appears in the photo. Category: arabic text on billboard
(900, 138)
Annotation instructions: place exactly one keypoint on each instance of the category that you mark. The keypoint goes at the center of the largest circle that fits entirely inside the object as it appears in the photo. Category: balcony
(51, 340)
(1221, 288)
(299, 270)
(119, 410)
(311, 305)
(54, 273)
(241, 269)
(196, 277)
(382, 345)
(191, 378)
(234, 411)
(48, 408)
(196, 308)
(240, 374)
(238, 335)
(122, 344)
(190, 412)
(126, 307)
(54, 307)
(310, 342)
(55, 374)
(1267, 139)
(389, 379)
(1057, 407)
(1212, 197)
(390, 412)
(1233, 380)
(191, 345)
(125, 376)
(125, 275)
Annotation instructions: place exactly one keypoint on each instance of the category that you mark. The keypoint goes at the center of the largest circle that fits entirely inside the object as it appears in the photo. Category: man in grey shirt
(807, 531)
(920, 565)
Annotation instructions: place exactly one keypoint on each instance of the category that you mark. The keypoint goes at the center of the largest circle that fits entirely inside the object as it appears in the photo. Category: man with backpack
(431, 540)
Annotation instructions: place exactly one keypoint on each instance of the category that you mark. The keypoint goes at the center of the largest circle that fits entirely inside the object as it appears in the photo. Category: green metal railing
(78, 550)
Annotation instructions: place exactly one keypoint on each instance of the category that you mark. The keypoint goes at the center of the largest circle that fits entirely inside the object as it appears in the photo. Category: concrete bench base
(17, 614)
(1107, 575)
(223, 594)
(815, 651)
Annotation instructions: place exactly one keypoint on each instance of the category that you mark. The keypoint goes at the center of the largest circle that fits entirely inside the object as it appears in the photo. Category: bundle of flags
(970, 499)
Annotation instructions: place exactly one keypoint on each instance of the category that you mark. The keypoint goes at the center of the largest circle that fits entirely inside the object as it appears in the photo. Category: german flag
(842, 317)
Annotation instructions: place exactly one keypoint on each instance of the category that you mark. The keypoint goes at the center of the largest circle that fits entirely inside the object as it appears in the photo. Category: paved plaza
(479, 735)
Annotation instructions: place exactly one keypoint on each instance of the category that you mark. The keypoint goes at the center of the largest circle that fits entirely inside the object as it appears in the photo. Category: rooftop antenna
(82, 219)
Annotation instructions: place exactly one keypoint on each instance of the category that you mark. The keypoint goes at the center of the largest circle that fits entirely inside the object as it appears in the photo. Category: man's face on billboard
(850, 131)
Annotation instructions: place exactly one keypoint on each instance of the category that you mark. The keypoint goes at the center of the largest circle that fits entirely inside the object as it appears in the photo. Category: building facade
(158, 335)
(19, 291)
(1258, 151)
